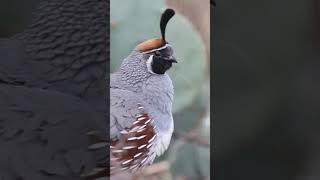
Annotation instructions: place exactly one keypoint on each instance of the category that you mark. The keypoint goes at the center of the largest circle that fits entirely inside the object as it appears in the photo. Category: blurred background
(266, 89)
(132, 22)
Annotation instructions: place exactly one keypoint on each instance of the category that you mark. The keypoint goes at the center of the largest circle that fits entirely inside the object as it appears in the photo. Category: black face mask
(160, 65)
(162, 60)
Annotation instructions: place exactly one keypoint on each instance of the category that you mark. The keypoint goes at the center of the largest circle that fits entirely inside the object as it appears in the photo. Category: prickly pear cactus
(135, 21)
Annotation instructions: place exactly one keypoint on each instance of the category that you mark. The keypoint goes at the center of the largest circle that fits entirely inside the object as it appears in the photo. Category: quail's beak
(173, 60)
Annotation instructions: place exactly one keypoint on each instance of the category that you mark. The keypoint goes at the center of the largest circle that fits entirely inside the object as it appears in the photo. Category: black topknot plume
(166, 16)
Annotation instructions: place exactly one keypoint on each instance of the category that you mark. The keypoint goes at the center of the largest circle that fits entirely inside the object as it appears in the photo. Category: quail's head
(158, 53)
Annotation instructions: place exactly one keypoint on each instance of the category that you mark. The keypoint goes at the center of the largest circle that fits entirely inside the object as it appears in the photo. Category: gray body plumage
(133, 84)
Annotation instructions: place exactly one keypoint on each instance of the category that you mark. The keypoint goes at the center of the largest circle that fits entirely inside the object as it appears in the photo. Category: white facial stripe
(163, 47)
(149, 61)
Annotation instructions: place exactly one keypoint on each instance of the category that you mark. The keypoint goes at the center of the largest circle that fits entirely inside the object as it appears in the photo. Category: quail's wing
(131, 131)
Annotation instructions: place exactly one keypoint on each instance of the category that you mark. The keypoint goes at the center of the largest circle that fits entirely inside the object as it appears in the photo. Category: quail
(141, 97)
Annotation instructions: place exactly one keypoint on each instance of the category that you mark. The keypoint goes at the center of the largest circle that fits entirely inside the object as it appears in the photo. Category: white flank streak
(152, 138)
(147, 121)
(142, 146)
(140, 130)
(132, 139)
(135, 122)
(117, 151)
(126, 162)
(128, 147)
(149, 145)
(141, 137)
(135, 129)
(141, 118)
(124, 132)
(134, 166)
(124, 168)
(142, 126)
(137, 155)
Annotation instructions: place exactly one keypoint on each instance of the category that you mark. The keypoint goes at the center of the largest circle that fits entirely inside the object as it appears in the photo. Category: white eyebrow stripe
(160, 48)
(149, 61)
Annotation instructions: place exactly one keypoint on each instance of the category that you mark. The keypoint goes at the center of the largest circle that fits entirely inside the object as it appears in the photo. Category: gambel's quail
(141, 97)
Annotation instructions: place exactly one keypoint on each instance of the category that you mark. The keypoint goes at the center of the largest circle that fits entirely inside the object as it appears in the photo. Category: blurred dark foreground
(266, 63)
